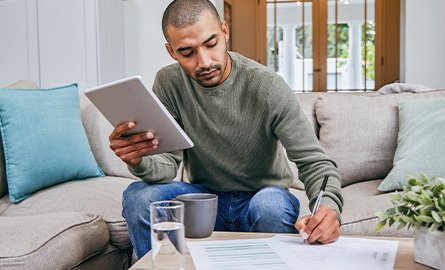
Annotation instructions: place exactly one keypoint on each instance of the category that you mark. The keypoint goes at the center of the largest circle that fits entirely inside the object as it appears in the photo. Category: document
(248, 254)
(290, 252)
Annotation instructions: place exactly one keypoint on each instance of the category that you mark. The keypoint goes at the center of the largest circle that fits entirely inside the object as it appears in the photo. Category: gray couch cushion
(101, 196)
(360, 132)
(51, 241)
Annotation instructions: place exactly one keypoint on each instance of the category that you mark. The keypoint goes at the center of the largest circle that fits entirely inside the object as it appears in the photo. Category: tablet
(129, 100)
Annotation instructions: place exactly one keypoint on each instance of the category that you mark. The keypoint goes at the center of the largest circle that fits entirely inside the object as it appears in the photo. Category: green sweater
(237, 128)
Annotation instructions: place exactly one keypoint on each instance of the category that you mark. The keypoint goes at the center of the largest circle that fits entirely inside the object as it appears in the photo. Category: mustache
(210, 68)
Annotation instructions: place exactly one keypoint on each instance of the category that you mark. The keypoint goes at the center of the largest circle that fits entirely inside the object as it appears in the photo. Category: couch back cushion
(43, 139)
(98, 130)
(360, 132)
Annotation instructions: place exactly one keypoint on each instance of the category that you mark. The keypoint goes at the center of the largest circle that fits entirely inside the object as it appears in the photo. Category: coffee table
(404, 257)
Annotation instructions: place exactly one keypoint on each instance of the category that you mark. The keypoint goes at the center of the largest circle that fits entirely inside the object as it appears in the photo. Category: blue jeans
(271, 209)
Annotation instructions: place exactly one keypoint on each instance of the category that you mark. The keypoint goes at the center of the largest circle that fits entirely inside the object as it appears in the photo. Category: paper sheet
(289, 252)
(248, 254)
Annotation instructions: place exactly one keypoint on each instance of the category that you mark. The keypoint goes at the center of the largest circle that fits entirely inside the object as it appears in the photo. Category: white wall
(144, 41)
(424, 43)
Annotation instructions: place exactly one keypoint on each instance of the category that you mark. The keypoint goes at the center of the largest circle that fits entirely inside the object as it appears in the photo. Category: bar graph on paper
(236, 255)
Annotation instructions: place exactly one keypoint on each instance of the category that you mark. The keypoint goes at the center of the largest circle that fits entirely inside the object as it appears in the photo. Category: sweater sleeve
(296, 134)
(160, 168)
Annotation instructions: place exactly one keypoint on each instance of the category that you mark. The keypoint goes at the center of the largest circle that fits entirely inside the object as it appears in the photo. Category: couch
(79, 225)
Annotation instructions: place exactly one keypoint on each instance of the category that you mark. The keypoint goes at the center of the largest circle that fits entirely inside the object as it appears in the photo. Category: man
(237, 112)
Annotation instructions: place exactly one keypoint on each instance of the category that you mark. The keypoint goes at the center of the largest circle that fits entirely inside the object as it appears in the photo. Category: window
(322, 45)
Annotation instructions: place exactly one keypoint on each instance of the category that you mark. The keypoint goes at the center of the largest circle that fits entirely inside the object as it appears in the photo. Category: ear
(170, 51)
(225, 30)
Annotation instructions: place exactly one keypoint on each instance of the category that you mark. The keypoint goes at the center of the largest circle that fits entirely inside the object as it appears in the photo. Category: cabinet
(57, 42)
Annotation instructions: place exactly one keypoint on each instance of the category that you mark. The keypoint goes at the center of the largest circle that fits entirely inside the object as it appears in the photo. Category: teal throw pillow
(3, 184)
(420, 142)
(44, 141)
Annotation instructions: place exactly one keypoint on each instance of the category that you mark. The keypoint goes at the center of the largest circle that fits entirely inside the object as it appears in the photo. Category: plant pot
(429, 248)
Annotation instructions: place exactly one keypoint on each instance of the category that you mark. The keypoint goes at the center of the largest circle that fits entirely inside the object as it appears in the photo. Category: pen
(320, 195)
(317, 203)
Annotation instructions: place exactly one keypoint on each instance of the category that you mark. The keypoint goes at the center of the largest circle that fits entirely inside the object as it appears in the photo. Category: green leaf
(396, 196)
(392, 220)
(426, 210)
(426, 197)
(381, 215)
(417, 208)
(442, 200)
(412, 181)
(436, 216)
(434, 226)
(391, 211)
(401, 225)
(436, 204)
(426, 219)
(412, 197)
(380, 226)
(423, 179)
(406, 219)
(442, 215)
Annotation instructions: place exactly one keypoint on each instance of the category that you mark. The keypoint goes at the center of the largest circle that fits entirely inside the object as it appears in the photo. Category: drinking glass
(167, 235)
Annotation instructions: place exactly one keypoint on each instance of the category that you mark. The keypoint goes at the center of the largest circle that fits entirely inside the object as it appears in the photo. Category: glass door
(351, 45)
(322, 45)
(289, 42)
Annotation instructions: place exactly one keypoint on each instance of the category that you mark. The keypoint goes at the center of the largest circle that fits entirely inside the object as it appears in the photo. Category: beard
(209, 77)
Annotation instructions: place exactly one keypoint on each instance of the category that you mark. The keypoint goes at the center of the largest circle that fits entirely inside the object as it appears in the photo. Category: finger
(318, 231)
(301, 223)
(332, 234)
(133, 139)
(121, 129)
(324, 231)
(314, 221)
(136, 154)
(137, 146)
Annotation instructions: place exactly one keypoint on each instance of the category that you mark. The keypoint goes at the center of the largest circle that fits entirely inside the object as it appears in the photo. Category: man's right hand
(131, 149)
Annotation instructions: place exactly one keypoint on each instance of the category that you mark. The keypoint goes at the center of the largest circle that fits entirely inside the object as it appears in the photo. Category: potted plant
(420, 206)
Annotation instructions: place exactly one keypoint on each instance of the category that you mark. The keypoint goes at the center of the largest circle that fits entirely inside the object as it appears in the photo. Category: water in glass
(168, 245)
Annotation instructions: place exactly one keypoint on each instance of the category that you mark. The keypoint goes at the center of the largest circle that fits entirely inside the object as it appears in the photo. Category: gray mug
(200, 211)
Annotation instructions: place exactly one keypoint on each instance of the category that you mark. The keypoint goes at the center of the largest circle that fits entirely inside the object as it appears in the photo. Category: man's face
(201, 50)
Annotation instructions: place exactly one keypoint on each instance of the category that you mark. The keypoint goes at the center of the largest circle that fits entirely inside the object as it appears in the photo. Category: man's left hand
(323, 227)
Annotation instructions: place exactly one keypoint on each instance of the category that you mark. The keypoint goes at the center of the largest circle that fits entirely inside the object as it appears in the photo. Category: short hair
(183, 13)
